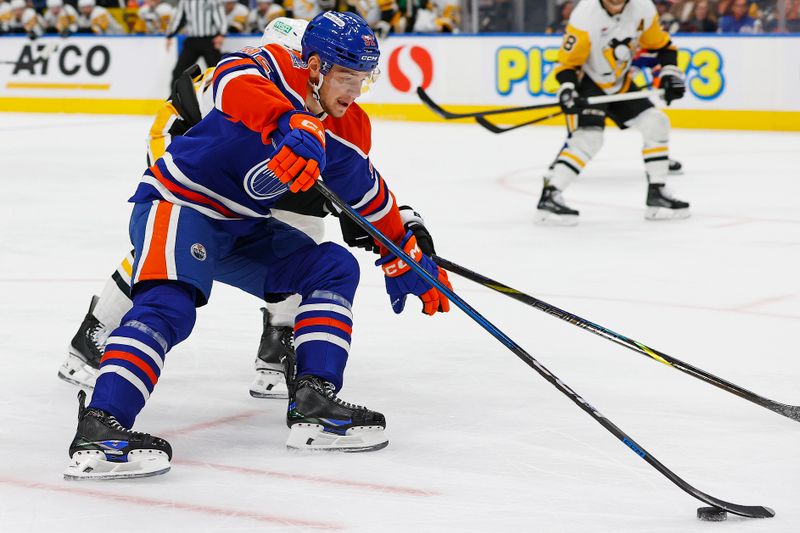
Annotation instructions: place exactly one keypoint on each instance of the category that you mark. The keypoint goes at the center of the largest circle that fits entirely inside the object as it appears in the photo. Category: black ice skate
(103, 449)
(675, 167)
(275, 361)
(85, 350)
(553, 210)
(319, 420)
(661, 205)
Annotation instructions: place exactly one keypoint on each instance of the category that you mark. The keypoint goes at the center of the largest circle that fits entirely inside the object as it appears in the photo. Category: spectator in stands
(265, 12)
(772, 19)
(5, 16)
(307, 9)
(236, 16)
(437, 16)
(701, 20)
(59, 18)
(739, 21)
(96, 19)
(565, 8)
(23, 19)
(668, 21)
(156, 16)
(793, 16)
(682, 9)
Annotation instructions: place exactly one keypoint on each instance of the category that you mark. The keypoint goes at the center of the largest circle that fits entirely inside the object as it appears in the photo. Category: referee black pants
(193, 49)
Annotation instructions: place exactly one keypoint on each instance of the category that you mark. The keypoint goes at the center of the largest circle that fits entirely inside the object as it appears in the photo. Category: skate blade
(546, 218)
(312, 437)
(93, 466)
(269, 385)
(662, 213)
(78, 372)
(678, 172)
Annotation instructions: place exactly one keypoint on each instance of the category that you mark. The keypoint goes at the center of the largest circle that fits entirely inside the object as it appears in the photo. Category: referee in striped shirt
(205, 27)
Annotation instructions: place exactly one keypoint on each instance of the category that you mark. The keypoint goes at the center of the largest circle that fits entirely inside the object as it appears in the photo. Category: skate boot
(103, 449)
(85, 351)
(661, 205)
(319, 420)
(553, 210)
(275, 360)
(675, 167)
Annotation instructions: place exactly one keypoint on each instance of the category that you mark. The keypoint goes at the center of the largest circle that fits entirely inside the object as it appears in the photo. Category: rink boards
(734, 82)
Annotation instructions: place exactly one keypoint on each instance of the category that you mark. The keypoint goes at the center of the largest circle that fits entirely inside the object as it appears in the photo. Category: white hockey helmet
(286, 32)
(163, 9)
(86, 3)
(54, 3)
(17, 4)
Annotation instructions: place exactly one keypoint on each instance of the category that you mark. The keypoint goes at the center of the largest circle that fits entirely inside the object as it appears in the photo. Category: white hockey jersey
(236, 18)
(100, 21)
(28, 21)
(156, 19)
(603, 46)
(257, 20)
(66, 20)
(303, 9)
(5, 16)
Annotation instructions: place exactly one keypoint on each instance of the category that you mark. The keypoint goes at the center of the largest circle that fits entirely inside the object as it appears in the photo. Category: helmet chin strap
(315, 88)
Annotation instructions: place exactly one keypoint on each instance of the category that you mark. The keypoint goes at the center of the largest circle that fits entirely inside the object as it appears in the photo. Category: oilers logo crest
(260, 183)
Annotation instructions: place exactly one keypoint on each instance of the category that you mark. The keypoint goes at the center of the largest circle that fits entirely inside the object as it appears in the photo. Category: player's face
(614, 6)
(340, 88)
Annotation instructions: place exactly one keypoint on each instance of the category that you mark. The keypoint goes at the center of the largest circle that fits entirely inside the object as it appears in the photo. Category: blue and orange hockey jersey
(219, 167)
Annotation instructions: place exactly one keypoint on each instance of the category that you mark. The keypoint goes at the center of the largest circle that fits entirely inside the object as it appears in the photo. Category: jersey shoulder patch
(353, 128)
(292, 70)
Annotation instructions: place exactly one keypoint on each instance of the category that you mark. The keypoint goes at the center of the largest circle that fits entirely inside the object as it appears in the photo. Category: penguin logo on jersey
(619, 54)
(199, 251)
(260, 183)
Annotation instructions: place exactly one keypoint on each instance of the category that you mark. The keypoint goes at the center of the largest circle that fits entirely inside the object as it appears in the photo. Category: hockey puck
(712, 514)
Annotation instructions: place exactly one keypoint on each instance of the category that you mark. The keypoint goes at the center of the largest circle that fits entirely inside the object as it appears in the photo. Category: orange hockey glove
(300, 156)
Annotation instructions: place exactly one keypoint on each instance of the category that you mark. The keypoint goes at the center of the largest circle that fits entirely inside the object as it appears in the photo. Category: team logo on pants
(199, 251)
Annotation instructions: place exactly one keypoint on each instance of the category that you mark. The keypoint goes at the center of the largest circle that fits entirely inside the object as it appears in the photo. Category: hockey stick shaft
(592, 100)
(494, 128)
(742, 510)
(789, 411)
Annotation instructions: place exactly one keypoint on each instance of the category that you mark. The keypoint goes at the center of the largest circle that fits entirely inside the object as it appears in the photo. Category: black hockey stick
(789, 411)
(436, 108)
(751, 511)
(494, 128)
(592, 100)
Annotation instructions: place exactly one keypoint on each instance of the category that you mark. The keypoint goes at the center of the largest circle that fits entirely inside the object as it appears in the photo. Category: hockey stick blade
(741, 510)
(494, 128)
(448, 115)
(789, 411)
(592, 100)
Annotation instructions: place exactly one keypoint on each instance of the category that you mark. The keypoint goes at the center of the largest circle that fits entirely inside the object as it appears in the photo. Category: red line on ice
(210, 424)
(74, 489)
(316, 479)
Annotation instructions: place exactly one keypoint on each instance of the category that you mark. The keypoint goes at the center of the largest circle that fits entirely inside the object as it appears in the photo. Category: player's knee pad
(166, 308)
(586, 141)
(654, 126)
(334, 269)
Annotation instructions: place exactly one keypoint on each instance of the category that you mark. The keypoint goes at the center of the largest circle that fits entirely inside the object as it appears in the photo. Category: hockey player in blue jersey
(202, 214)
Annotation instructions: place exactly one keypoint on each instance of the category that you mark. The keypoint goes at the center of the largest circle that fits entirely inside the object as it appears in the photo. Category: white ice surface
(478, 440)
